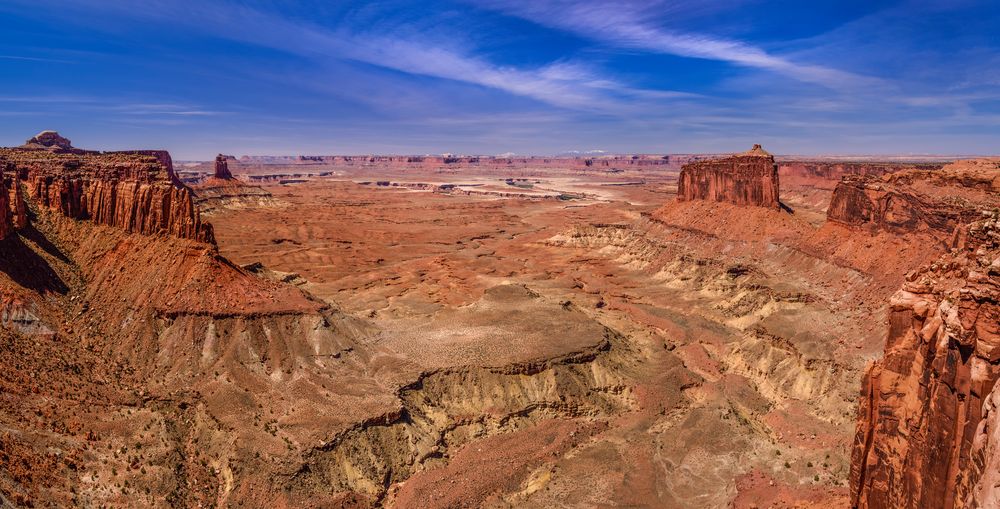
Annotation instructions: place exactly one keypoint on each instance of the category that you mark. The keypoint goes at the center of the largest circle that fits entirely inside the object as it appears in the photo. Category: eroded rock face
(20, 206)
(223, 191)
(922, 405)
(838, 170)
(986, 457)
(6, 221)
(750, 178)
(932, 201)
(49, 140)
(222, 168)
(134, 191)
(891, 204)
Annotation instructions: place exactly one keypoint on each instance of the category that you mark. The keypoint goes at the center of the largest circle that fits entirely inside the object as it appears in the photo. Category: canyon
(455, 331)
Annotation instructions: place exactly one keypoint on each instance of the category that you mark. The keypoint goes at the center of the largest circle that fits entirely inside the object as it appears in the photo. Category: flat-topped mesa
(922, 438)
(935, 201)
(750, 178)
(49, 140)
(134, 191)
(222, 168)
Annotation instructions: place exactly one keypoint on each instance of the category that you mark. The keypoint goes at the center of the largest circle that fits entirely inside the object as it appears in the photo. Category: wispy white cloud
(633, 25)
(106, 105)
(46, 99)
(35, 59)
(565, 84)
(407, 77)
(179, 110)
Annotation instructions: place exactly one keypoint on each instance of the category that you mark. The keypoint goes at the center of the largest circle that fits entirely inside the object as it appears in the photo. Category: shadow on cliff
(29, 232)
(29, 269)
(785, 207)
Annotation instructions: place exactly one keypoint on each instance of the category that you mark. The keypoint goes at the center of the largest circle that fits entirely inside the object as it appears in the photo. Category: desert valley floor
(604, 351)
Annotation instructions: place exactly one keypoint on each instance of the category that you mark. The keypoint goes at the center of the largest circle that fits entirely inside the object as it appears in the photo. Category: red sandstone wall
(129, 205)
(20, 206)
(837, 171)
(134, 191)
(6, 222)
(222, 168)
(884, 205)
(741, 180)
(922, 403)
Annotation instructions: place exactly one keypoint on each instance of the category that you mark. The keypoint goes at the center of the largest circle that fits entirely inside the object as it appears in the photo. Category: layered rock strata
(49, 140)
(880, 205)
(923, 438)
(935, 202)
(838, 170)
(986, 456)
(20, 207)
(750, 178)
(223, 191)
(135, 191)
(6, 219)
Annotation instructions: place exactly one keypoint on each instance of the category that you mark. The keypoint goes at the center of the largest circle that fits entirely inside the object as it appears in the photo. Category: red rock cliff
(134, 191)
(826, 174)
(6, 219)
(222, 168)
(750, 178)
(871, 202)
(922, 406)
(838, 170)
(20, 206)
(935, 202)
(986, 456)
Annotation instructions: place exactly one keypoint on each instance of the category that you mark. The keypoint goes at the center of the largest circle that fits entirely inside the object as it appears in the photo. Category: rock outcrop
(49, 140)
(222, 168)
(986, 455)
(6, 220)
(19, 205)
(923, 438)
(13, 209)
(872, 202)
(134, 191)
(750, 178)
(114, 300)
(935, 202)
(837, 170)
(223, 191)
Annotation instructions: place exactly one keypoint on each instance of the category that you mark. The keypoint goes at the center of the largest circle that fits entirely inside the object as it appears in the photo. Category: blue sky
(497, 76)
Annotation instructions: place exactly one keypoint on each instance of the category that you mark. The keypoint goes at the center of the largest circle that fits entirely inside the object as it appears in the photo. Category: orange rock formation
(134, 191)
(750, 178)
(923, 404)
